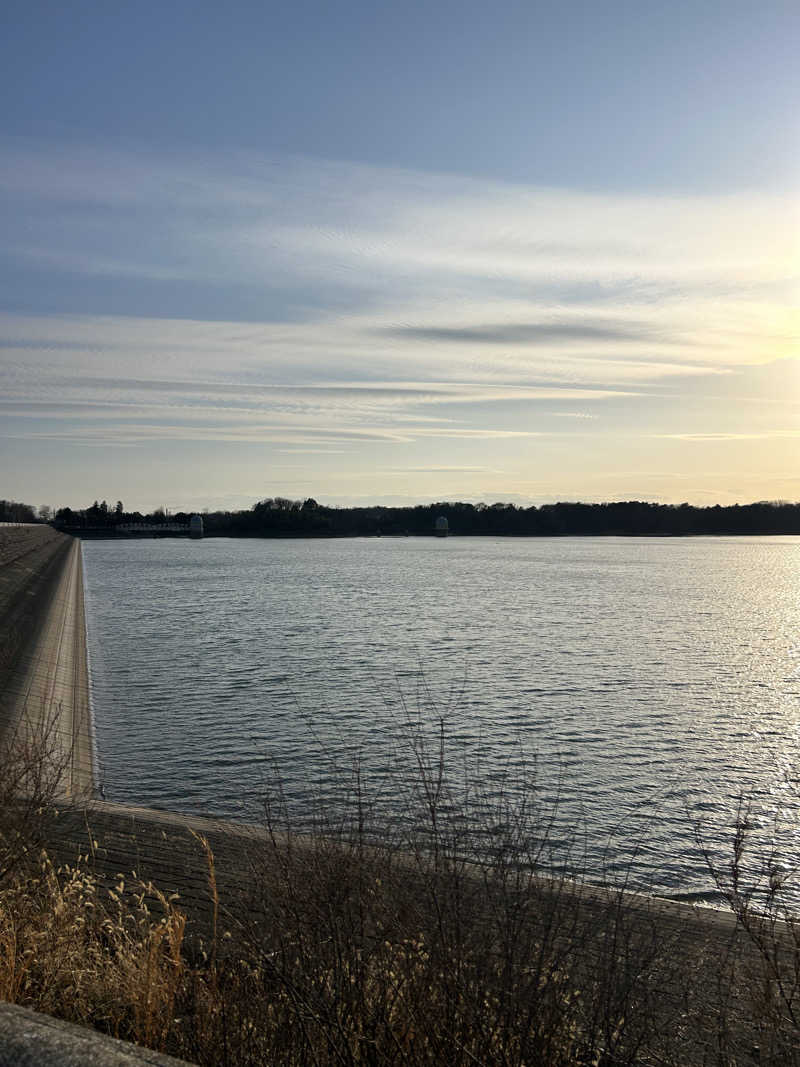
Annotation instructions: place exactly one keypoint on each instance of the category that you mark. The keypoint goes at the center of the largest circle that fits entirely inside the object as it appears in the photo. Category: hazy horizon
(439, 252)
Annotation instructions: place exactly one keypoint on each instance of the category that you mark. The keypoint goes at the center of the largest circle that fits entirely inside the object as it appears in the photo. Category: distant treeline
(279, 517)
(13, 511)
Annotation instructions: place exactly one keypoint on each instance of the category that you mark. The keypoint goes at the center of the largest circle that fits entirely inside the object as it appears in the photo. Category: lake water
(654, 681)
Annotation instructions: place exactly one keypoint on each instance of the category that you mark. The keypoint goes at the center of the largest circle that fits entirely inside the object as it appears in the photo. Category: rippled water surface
(654, 680)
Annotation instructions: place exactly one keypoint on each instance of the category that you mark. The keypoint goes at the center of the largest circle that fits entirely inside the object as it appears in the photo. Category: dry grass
(431, 939)
(95, 957)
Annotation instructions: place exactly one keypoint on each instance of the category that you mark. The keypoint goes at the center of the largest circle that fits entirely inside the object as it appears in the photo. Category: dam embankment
(44, 678)
(687, 966)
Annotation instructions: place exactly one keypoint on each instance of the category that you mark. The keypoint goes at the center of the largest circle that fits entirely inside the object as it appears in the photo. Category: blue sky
(399, 253)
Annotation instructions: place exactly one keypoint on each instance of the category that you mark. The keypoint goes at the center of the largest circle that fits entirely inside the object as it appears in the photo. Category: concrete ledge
(30, 1039)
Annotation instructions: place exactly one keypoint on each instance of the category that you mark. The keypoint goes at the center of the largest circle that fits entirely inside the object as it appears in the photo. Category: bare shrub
(445, 926)
(758, 884)
(32, 766)
(448, 932)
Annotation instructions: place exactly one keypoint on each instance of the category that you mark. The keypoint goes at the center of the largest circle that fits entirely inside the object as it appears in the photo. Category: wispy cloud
(767, 435)
(441, 470)
(324, 304)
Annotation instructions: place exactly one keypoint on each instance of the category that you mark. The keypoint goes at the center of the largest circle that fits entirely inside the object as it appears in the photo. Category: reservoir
(651, 683)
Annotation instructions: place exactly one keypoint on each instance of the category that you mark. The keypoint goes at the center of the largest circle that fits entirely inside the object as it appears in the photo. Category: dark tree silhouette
(282, 517)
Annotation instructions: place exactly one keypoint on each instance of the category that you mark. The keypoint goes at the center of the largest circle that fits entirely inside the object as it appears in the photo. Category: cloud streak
(526, 333)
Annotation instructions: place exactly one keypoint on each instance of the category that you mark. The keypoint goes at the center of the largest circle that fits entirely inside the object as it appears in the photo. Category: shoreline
(139, 825)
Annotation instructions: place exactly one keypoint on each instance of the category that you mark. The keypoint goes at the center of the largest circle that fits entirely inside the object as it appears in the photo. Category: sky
(399, 253)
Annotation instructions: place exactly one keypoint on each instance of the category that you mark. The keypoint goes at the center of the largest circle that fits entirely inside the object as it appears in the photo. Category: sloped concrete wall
(44, 683)
(31, 558)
